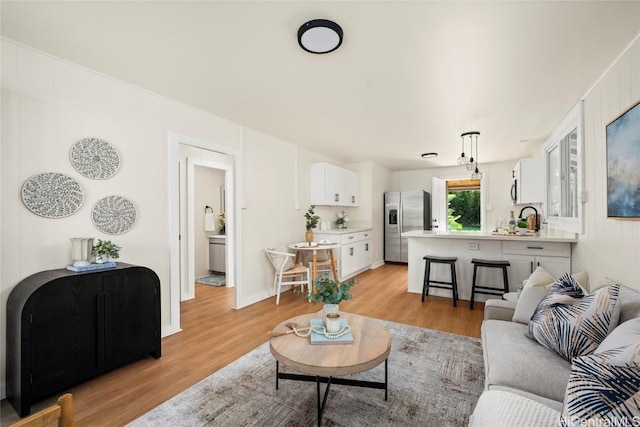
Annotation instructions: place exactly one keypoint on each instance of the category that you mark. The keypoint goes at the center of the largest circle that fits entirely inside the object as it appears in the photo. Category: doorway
(182, 226)
(205, 220)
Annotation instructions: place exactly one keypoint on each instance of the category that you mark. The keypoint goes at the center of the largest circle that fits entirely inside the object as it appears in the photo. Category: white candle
(332, 322)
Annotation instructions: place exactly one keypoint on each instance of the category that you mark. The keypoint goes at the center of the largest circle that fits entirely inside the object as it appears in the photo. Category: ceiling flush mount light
(471, 163)
(430, 155)
(320, 36)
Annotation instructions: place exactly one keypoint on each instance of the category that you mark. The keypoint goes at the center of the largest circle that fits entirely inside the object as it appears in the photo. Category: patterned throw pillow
(604, 389)
(573, 324)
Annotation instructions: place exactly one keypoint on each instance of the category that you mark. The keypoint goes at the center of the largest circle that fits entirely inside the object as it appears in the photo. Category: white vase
(81, 250)
(101, 259)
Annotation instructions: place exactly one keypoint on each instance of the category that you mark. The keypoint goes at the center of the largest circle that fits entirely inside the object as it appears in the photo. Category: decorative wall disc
(94, 158)
(52, 195)
(114, 215)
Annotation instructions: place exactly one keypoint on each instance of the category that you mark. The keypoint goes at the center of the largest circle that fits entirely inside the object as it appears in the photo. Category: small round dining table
(314, 247)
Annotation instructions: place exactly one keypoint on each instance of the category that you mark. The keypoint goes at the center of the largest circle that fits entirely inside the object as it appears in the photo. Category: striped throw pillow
(573, 324)
(604, 389)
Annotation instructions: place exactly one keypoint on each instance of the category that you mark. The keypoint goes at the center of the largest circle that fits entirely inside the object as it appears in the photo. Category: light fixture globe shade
(320, 36)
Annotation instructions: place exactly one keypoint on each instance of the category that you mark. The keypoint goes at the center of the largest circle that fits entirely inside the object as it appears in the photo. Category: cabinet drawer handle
(351, 237)
(535, 247)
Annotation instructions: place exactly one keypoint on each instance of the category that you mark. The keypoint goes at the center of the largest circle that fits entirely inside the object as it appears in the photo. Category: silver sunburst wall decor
(114, 215)
(52, 195)
(94, 158)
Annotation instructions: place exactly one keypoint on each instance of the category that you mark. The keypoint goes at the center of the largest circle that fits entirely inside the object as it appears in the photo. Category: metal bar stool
(475, 289)
(453, 285)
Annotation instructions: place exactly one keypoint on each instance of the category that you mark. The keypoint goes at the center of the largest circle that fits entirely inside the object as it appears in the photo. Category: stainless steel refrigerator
(404, 211)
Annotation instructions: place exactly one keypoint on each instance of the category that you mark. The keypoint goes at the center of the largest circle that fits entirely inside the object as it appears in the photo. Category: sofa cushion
(625, 333)
(511, 360)
(571, 323)
(604, 387)
(503, 409)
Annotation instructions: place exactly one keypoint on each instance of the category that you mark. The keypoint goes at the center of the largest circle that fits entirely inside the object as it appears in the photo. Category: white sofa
(525, 383)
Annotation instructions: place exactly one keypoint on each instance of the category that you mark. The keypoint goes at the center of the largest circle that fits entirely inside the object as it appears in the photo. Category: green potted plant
(331, 293)
(523, 226)
(312, 222)
(105, 251)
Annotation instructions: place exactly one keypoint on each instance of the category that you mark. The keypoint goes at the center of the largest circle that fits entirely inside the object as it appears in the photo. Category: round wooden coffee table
(323, 363)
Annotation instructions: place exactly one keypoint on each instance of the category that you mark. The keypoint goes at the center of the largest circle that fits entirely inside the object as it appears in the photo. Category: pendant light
(462, 160)
(476, 173)
(471, 163)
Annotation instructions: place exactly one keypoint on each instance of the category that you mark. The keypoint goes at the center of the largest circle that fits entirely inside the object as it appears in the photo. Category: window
(463, 205)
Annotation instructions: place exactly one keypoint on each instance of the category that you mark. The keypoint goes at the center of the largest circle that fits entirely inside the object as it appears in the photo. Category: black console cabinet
(65, 327)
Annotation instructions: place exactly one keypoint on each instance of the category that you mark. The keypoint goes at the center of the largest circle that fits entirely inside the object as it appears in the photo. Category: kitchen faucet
(537, 228)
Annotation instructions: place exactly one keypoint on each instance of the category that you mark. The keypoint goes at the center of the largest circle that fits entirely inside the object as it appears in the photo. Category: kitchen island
(551, 250)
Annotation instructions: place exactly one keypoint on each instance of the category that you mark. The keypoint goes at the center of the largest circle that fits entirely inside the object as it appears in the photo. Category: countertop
(551, 236)
(217, 236)
(342, 230)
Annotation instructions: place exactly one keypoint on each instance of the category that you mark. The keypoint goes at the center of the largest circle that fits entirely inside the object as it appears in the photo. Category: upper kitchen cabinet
(334, 186)
(563, 154)
(529, 181)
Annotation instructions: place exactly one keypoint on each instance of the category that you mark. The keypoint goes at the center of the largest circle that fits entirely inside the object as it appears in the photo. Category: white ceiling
(410, 76)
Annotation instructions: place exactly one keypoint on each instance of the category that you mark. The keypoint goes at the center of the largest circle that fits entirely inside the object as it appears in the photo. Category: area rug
(435, 379)
(213, 280)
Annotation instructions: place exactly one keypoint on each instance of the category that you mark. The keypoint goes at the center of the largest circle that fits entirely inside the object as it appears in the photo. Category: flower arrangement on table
(342, 220)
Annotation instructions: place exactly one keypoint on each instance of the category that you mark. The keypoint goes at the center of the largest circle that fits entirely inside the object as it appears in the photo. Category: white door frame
(234, 228)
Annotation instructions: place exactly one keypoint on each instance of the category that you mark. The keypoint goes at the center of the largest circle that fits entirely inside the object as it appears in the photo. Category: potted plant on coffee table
(331, 293)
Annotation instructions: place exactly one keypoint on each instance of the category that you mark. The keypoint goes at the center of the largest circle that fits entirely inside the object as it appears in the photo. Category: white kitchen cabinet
(525, 257)
(334, 186)
(217, 254)
(529, 181)
(353, 253)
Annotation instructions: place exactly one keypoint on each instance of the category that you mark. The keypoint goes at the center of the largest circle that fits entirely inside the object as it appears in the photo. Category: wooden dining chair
(287, 273)
(61, 411)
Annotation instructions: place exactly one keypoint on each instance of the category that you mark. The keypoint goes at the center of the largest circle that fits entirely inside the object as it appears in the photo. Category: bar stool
(485, 289)
(453, 285)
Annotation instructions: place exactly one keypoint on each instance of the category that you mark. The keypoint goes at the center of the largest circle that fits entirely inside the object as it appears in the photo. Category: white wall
(48, 104)
(608, 247)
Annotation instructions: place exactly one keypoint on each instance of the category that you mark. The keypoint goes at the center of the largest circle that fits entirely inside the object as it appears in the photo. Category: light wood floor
(214, 335)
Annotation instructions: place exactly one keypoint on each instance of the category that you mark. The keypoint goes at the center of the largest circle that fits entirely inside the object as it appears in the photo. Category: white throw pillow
(536, 287)
(540, 278)
(528, 300)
